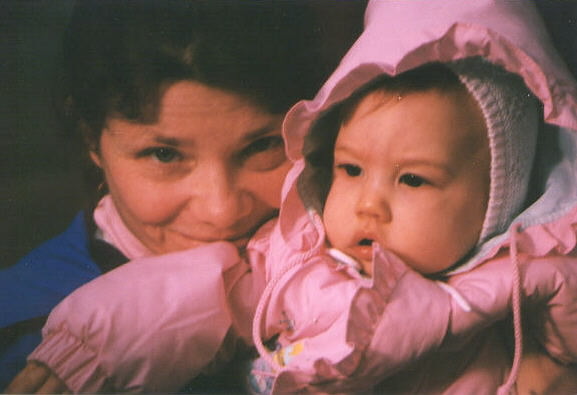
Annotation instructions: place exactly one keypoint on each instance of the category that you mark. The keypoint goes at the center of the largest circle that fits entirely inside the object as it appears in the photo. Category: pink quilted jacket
(142, 328)
(537, 251)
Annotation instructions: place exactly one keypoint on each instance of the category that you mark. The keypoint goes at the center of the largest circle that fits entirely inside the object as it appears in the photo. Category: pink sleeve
(374, 336)
(380, 322)
(148, 326)
(550, 284)
(549, 289)
(377, 336)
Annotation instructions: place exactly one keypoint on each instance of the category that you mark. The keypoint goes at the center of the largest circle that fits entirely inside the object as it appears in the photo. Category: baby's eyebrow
(444, 167)
(343, 149)
(171, 141)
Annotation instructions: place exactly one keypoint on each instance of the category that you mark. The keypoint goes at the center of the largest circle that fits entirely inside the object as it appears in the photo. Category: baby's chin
(426, 268)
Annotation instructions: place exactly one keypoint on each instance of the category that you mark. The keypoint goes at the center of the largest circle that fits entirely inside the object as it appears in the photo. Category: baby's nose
(372, 203)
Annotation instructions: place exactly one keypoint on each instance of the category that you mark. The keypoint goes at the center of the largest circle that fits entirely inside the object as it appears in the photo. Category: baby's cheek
(332, 222)
(426, 252)
(441, 254)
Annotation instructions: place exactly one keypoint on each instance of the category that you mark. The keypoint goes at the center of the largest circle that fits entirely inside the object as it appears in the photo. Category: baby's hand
(36, 378)
(540, 374)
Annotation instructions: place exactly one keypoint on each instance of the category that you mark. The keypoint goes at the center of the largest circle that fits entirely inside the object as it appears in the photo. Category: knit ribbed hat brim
(511, 115)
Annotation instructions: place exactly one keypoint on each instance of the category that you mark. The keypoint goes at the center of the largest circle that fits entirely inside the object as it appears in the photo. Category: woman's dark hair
(119, 55)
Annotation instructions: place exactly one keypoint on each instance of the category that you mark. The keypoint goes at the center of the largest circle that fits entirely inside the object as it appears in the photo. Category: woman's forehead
(192, 97)
(191, 113)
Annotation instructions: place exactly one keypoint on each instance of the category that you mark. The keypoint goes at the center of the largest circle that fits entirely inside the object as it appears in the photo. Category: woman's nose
(218, 200)
(373, 204)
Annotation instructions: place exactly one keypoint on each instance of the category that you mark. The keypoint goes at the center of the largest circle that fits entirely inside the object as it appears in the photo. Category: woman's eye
(412, 180)
(162, 154)
(264, 154)
(263, 144)
(351, 170)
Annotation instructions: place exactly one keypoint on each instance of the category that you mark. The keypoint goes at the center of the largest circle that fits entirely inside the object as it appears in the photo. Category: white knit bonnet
(511, 115)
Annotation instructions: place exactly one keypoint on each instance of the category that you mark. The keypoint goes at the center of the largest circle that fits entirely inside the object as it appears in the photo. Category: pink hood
(401, 35)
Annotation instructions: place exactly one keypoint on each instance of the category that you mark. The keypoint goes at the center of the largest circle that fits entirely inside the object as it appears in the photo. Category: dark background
(40, 185)
(40, 180)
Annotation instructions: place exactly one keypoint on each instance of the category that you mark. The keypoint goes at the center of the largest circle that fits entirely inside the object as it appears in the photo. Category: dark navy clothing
(30, 289)
(38, 282)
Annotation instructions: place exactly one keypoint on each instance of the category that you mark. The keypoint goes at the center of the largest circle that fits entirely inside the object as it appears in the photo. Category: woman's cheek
(150, 205)
(267, 187)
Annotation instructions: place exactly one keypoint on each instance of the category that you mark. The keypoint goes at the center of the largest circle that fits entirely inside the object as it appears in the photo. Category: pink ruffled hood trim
(401, 35)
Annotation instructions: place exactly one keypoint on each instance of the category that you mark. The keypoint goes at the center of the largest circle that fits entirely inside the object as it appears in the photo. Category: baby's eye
(350, 169)
(162, 154)
(412, 180)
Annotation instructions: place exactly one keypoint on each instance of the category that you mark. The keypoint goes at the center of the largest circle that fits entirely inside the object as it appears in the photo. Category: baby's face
(411, 174)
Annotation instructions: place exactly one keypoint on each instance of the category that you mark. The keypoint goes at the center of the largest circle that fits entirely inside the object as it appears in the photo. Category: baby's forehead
(381, 91)
(431, 116)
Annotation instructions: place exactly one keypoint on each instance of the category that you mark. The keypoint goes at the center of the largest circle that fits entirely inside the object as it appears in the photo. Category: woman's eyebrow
(255, 134)
(157, 136)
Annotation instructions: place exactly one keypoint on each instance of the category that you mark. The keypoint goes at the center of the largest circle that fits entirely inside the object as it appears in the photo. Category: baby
(411, 171)
(429, 170)
(427, 167)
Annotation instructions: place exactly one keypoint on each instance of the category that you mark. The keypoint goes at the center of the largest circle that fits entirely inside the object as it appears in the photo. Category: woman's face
(210, 169)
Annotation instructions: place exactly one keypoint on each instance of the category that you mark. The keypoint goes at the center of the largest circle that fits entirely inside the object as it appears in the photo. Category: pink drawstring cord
(258, 317)
(280, 280)
(290, 270)
(517, 327)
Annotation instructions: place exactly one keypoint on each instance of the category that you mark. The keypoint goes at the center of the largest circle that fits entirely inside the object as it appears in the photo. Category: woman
(319, 96)
(180, 107)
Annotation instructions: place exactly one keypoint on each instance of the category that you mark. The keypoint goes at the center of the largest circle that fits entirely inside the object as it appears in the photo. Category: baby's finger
(30, 379)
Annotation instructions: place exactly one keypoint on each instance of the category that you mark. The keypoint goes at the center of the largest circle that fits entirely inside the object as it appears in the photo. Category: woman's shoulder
(68, 247)
(49, 272)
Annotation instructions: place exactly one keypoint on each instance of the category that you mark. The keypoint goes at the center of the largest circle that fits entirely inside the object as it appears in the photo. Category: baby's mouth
(362, 249)
(366, 242)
